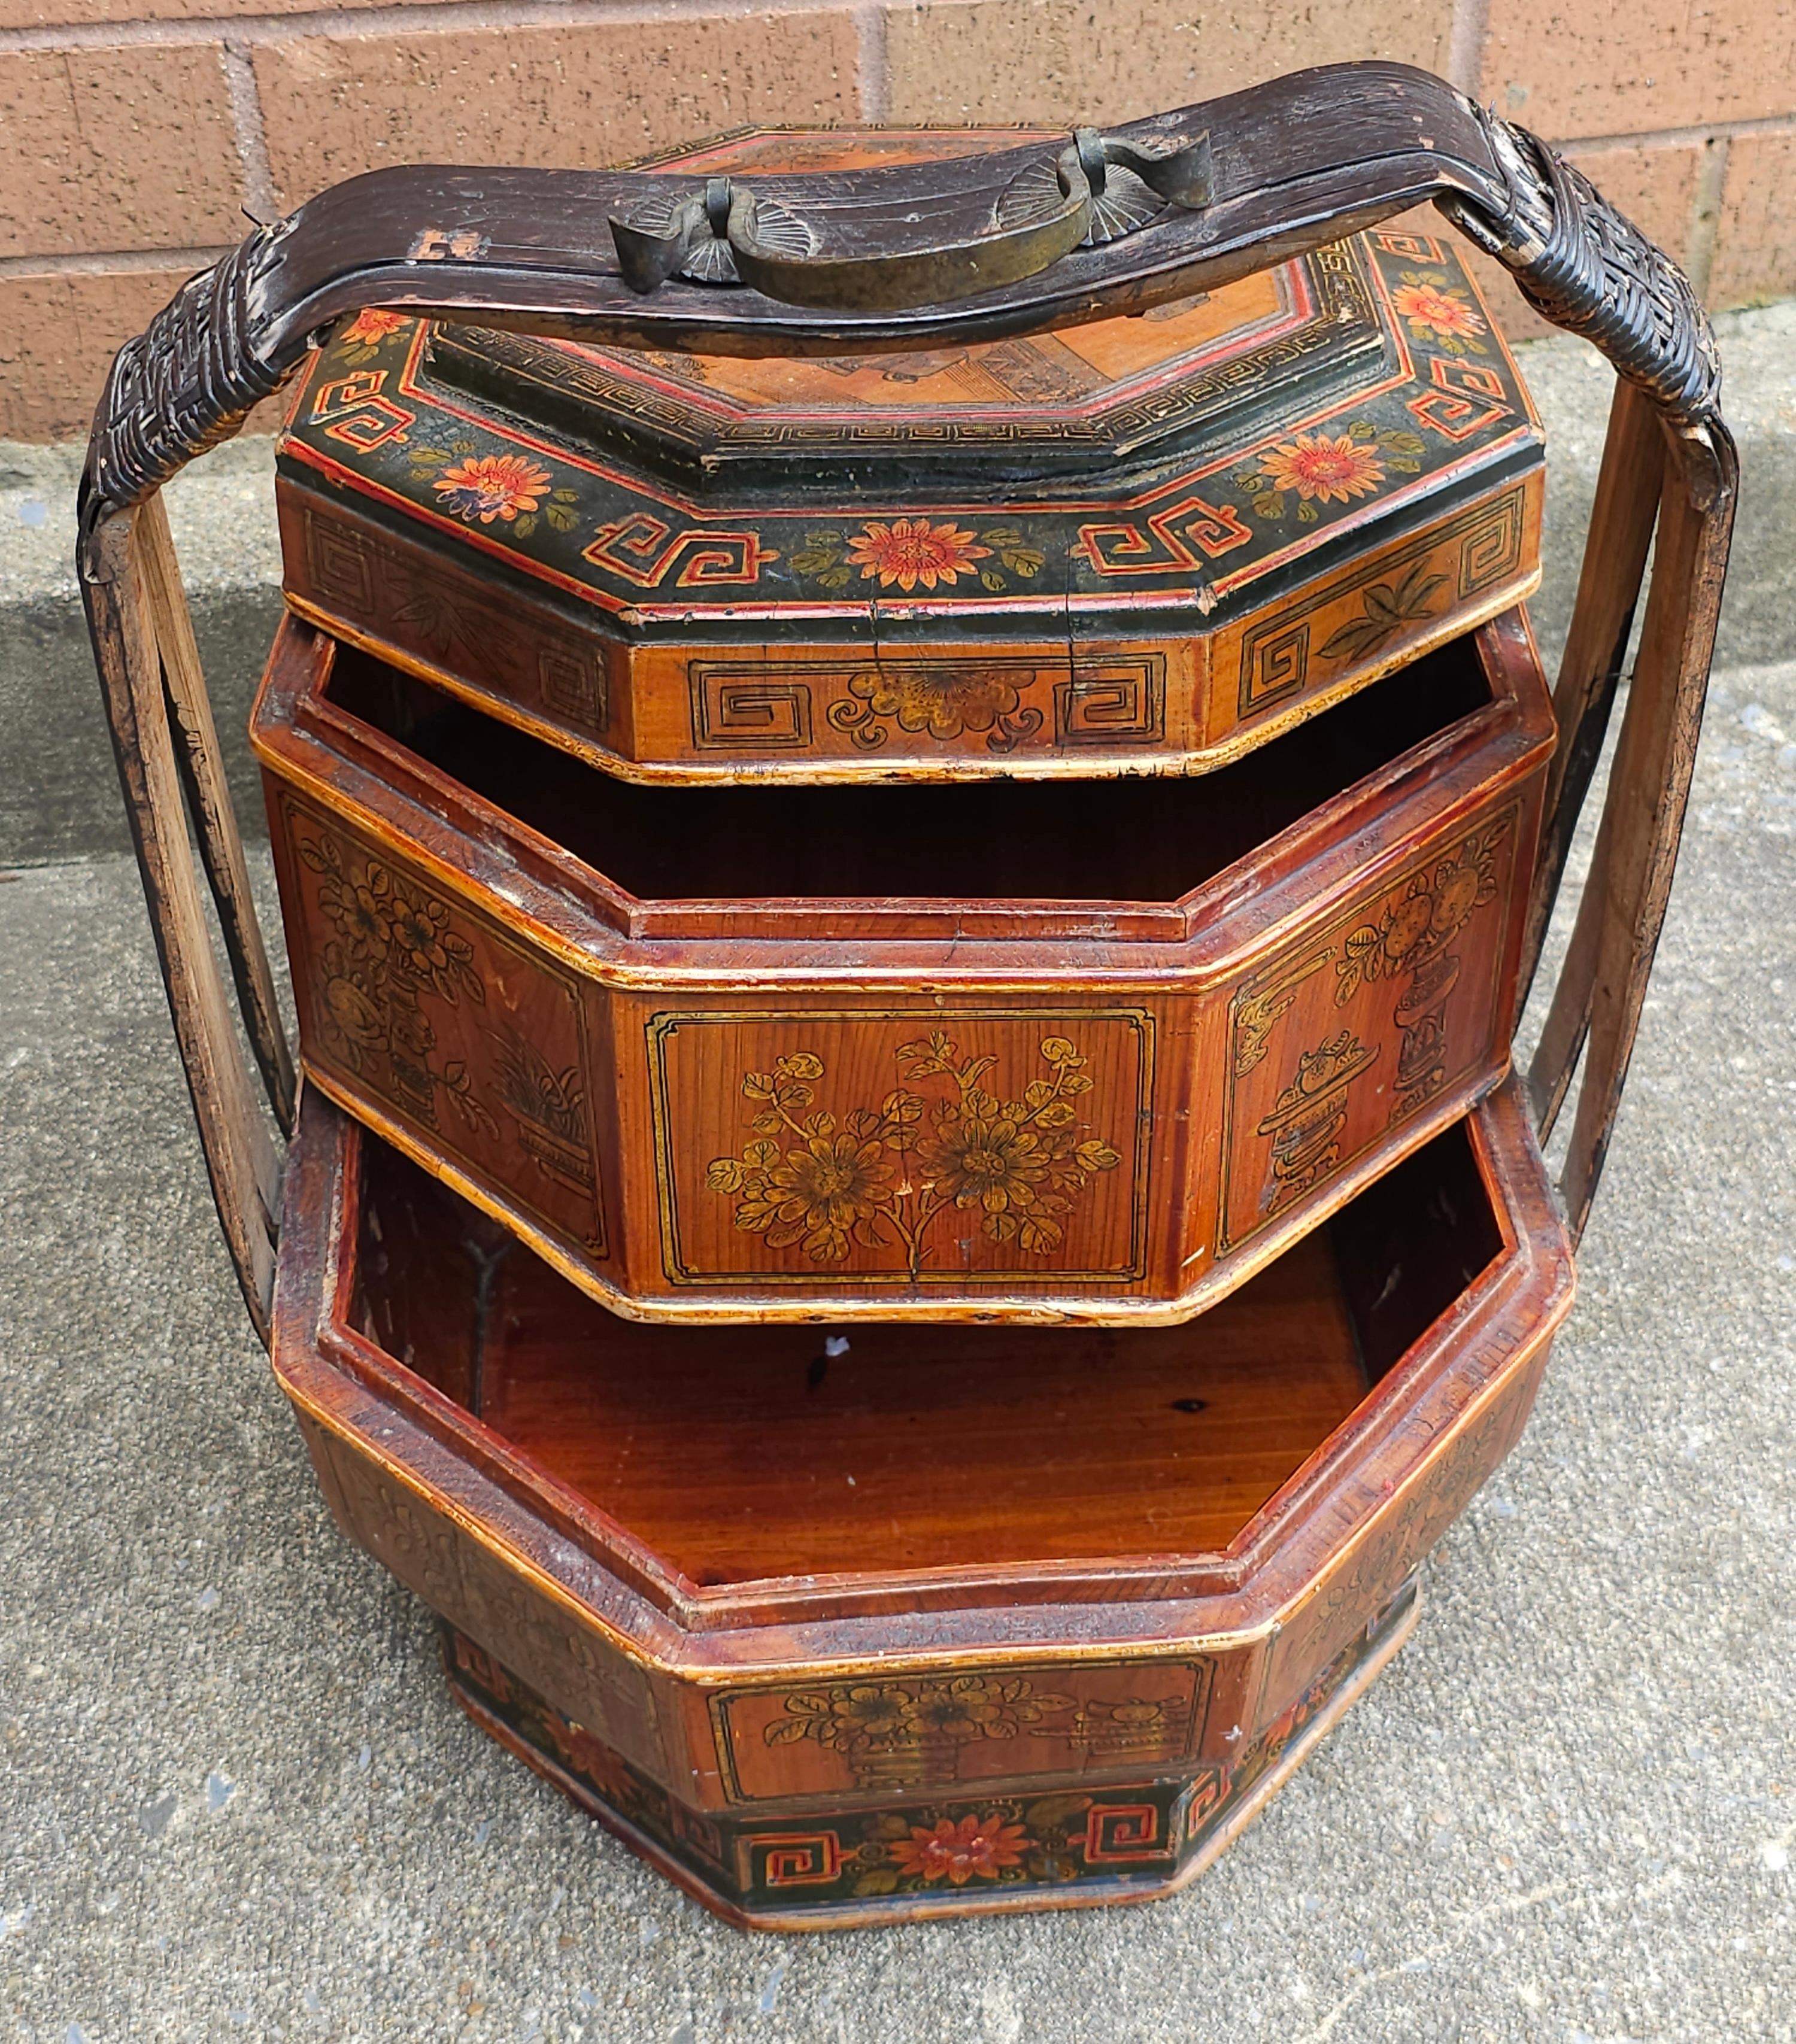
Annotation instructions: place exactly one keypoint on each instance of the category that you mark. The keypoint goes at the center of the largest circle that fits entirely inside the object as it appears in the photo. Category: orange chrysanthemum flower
(976, 1847)
(910, 550)
(1325, 466)
(1429, 309)
(495, 486)
(373, 326)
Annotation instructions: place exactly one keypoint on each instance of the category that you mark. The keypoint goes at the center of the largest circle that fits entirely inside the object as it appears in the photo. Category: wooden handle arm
(163, 740)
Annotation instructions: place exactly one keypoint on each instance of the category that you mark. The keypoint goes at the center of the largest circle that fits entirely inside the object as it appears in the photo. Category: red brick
(116, 148)
(1631, 67)
(57, 335)
(1755, 239)
(587, 95)
(86, 13)
(1053, 60)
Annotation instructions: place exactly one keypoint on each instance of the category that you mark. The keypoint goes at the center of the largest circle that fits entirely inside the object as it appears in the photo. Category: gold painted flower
(361, 909)
(419, 928)
(909, 551)
(867, 1712)
(989, 1161)
(941, 700)
(430, 949)
(369, 329)
(976, 1848)
(962, 1710)
(816, 1194)
(352, 1014)
(1324, 465)
(1429, 309)
(493, 485)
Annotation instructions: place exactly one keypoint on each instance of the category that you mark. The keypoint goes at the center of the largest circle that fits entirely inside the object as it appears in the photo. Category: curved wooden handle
(1251, 180)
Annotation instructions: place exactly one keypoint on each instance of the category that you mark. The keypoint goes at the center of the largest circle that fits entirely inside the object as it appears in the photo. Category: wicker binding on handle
(1285, 167)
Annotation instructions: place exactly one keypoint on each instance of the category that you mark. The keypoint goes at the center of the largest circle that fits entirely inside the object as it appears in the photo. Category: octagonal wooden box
(838, 1629)
(1091, 1050)
(1143, 543)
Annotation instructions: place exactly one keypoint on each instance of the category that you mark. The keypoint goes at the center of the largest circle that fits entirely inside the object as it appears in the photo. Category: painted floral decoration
(1385, 609)
(912, 553)
(976, 1848)
(818, 1193)
(944, 702)
(392, 946)
(1433, 310)
(1313, 469)
(510, 487)
(364, 333)
(856, 1718)
(1324, 465)
(910, 550)
(1002, 1841)
(493, 485)
(881, 1179)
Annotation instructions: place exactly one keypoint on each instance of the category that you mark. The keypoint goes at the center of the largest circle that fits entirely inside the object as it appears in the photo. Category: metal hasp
(1096, 190)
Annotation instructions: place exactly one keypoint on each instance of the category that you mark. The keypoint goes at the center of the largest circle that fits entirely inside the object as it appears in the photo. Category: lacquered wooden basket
(700, 1669)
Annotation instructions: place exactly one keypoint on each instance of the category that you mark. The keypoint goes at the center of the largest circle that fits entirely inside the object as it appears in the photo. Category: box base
(1051, 1847)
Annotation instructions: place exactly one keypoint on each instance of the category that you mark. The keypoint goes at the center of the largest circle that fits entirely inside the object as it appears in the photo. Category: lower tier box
(899, 1620)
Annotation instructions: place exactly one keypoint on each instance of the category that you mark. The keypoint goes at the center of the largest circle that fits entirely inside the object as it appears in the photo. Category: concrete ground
(235, 1801)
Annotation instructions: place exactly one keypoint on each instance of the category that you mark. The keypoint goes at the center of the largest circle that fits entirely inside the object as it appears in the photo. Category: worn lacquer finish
(1051, 463)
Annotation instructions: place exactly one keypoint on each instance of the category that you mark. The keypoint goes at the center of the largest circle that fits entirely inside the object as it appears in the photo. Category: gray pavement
(236, 1801)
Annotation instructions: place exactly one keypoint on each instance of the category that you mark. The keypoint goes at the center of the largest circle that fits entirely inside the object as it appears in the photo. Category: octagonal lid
(1253, 497)
(1113, 393)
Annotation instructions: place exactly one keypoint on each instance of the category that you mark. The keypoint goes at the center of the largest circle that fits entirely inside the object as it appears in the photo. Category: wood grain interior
(1128, 840)
(746, 1453)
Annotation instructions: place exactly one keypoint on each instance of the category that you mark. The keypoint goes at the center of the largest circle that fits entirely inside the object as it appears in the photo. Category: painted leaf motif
(1387, 608)
(1054, 1813)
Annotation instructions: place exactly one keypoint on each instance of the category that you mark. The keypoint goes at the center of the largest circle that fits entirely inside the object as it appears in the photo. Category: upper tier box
(1145, 543)
(1071, 1050)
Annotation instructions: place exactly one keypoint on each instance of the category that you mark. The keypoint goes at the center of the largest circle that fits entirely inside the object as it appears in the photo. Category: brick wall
(136, 133)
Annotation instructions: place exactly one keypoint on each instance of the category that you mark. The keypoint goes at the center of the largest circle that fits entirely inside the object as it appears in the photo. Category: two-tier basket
(912, 802)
